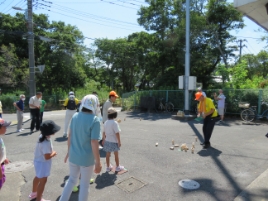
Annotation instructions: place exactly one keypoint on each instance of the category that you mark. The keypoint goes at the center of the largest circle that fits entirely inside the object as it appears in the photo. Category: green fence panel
(233, 96)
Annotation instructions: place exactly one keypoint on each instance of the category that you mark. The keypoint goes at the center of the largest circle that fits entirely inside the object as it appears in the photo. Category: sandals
(108, 169)
(33, 195)
(119, 168)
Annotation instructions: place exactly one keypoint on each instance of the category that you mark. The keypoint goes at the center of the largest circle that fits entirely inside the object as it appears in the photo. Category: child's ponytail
(43, 138)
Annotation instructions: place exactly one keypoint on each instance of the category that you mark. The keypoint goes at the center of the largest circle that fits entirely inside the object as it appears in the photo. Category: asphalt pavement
(234, 168)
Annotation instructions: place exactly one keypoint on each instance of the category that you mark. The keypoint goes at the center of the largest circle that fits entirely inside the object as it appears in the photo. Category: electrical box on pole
(41, 68)
(191, 84)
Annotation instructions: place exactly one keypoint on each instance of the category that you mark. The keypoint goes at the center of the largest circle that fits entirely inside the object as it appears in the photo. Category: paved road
(234, 168)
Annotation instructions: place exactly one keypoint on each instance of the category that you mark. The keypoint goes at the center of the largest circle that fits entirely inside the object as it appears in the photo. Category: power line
(97, 17)
(128, 3)
(251, 46)
(19, 4)
(2, 2)
(118, 4)
(138, 1)
(8, 6)
(89, 21)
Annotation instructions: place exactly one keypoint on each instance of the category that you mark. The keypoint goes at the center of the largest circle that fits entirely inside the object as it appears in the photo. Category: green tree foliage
(57, 46)
(156, 56)
(210, 26)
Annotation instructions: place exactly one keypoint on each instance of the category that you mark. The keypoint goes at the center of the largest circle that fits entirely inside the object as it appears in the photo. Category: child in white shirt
(111, 140)
(42, 159)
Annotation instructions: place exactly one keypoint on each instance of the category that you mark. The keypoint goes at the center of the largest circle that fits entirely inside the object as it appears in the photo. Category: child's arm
(6, 161)
(118, 139)
(50, 155)
(96, 153)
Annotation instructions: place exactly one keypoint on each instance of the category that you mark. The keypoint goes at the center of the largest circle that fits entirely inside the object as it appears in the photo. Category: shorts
(221, 111)
(110, 146)
(42, 169)
(2, 181)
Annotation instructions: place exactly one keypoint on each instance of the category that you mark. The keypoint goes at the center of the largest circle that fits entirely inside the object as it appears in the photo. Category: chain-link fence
(255, 97)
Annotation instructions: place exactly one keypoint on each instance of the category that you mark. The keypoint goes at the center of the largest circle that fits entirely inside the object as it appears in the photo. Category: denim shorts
(110, 146)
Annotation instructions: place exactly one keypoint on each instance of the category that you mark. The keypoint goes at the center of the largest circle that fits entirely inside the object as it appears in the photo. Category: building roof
(255, 10)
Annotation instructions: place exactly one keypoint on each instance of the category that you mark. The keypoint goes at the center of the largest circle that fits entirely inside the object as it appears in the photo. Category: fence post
(135, 101)
(166, 96)
(122, 104)
(259, 101)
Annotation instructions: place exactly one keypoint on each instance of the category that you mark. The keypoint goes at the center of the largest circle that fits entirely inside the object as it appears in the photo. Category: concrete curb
(257, 190)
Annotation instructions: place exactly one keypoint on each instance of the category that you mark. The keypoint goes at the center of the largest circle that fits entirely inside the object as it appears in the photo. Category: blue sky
(114, 19)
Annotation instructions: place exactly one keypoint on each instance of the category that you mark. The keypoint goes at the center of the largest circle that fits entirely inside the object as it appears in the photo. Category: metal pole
(31, 48)
(187, 59)
(240, 49)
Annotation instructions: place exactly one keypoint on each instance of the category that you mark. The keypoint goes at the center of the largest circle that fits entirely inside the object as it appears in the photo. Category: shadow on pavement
(74, 196)
(197, 133)
(149, 116)
(207, 183)
(61, 139)
(25, 134)
(105, 180)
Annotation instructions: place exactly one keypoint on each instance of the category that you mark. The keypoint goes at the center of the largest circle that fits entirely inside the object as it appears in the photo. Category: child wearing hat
(3, 158)
(83, 148)
(42, 159)
(111, 140)
(112, 98)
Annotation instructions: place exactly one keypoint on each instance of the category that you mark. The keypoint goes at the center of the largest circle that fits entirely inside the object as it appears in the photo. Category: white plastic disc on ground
(189, 184)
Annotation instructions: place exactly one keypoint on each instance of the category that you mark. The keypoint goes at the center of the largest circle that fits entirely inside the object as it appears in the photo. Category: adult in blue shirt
(20, 108)
(83, 148)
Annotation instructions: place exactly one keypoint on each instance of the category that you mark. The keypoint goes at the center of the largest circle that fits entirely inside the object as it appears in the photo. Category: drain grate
(130, 185)
(18, 166)
(189, 184)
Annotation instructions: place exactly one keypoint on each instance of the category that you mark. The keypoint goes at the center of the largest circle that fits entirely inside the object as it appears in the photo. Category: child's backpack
(71, 104)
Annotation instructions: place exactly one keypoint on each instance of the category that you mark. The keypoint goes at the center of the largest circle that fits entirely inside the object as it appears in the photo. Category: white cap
(71, 96)
(71, 93)
(90, 102)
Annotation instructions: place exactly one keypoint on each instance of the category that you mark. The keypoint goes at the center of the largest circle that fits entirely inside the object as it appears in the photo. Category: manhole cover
(189, 184)
(130, 185)
(18, 166)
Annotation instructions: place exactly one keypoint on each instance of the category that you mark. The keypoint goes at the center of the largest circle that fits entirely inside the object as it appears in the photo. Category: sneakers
(108, 169)
(119, 168)
(75, 189)
(221, 121)
(33, 195)
(18, 131)
(44, 199)
(91, 181)
(22, 129)
(64, 135)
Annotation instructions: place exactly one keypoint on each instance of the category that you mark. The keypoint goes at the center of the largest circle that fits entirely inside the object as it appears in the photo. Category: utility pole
(240, 47)
(187, 59)
(31, 48)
